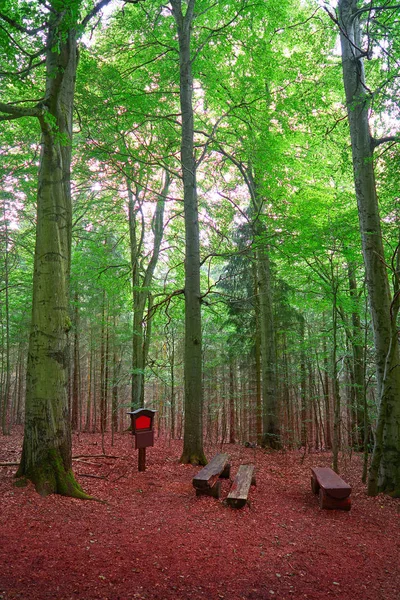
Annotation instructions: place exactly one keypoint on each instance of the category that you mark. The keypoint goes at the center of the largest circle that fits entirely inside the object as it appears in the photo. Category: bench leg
(214, 491)
(314, 485)
(326, 501)
(226, 472)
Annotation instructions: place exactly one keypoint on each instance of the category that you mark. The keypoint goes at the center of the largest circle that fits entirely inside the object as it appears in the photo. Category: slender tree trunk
(193, 429)
(141, 285)
(303, 385)
(104, 367)
(232, 420)
(385, 467)
(327, 399)
(5, 419)
(257, 352)
(76, 372)
(358, 361)
(336, 389)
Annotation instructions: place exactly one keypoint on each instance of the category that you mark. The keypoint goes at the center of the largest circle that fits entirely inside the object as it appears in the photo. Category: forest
(199, 214)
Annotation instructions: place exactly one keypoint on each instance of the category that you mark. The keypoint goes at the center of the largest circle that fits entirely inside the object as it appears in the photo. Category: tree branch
(374, 8)
(14, 112)
(20, 28)
(379, 141)
(95, 10)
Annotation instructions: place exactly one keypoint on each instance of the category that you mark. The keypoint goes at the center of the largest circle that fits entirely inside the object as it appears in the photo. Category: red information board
(143, 422)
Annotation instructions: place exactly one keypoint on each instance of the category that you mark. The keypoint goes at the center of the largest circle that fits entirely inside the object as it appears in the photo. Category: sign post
(143, 429)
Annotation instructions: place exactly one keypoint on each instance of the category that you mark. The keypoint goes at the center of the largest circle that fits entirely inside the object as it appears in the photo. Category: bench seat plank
(330, 482)
(237, 497)
(217, 467)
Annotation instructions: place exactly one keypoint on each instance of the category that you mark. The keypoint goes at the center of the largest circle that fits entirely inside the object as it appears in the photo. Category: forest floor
(154, 539)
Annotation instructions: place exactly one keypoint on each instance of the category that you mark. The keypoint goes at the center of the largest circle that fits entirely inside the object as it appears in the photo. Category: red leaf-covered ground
(154, 539)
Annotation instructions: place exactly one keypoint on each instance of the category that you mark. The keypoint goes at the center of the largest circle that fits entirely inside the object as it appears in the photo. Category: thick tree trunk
(46, 456)
(385, 472)
(193, 429)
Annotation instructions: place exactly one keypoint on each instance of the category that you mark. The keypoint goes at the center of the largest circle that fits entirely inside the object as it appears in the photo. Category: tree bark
(193, 428)
(385, 468)
(46, 455)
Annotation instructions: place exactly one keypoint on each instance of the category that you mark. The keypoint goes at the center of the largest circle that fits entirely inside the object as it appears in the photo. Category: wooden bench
(237, 497)
(206, 481)
(333, 491)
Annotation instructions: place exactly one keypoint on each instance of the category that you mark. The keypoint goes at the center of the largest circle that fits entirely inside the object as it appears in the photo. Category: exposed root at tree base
(50, 476)
(193, 459)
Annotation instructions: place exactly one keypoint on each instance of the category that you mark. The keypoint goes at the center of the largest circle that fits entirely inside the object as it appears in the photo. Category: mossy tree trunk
(385, 466)
(46, 455)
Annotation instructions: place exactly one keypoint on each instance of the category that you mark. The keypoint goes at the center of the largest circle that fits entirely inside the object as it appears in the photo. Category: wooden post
(142, 459)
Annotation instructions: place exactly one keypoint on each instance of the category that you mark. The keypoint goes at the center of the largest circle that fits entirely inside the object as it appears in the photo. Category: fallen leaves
(155, 540)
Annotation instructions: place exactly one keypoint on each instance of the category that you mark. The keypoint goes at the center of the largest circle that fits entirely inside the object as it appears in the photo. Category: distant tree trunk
(336, 388)
(303, 386)
(89, 385)
(5, 420)
(193, 429)
(171, 361)
(114, 393)
(141, 285)
(385, 466)
(76, 372)
(358, 362)
(271, 434)
(257, 352)
(327, 399)
(232, 420)
(104, 367)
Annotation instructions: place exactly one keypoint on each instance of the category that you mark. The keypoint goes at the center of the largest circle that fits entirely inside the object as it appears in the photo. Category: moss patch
(22, 482)
(51, 477)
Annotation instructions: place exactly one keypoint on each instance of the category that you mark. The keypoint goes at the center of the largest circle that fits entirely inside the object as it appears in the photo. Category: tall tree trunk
(357, 344)
(76, 372)
(271, 433)
(303, 386)
(47, 455)
(193, 429)
(335, 381)
(5, 417)
(257, 352)
(327, 398)
(385, 467)
(232, 416)
(141, 286)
